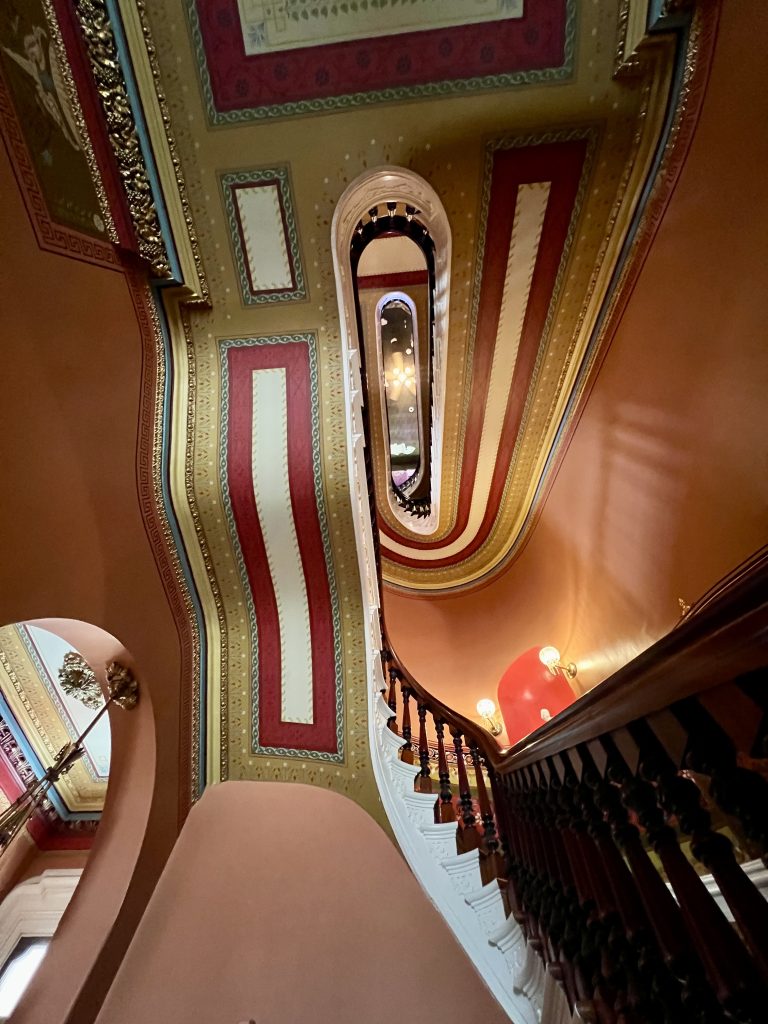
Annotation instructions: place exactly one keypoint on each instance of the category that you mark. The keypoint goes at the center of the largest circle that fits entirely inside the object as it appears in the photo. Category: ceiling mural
(512, 112)
(261, 59)
(538, 154)
(289, 24)
(43, 718)
(39, 82)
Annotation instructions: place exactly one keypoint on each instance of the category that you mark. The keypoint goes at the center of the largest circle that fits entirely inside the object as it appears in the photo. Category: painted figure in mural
(40, 63)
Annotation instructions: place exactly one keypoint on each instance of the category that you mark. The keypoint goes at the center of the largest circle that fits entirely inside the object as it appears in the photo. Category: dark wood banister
(724, 635)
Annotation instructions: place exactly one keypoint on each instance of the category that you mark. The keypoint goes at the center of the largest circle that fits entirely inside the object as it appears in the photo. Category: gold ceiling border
(165, 149)
(696, 64)
(121, 129)
(513, 512)
(149, 469)
(698, 56)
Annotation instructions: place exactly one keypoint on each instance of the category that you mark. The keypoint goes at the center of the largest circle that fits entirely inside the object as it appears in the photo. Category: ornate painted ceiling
(42, 718)
(539, 126)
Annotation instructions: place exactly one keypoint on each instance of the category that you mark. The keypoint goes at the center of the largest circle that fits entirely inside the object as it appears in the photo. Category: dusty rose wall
(74, 543)
(664, 486)
(321, 921)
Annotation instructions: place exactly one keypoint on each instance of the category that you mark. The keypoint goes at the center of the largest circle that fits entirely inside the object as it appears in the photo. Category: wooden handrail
(723, 636)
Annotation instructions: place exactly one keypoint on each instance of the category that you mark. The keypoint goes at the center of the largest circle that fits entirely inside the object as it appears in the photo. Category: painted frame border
(308, 338)
(262, 177)
(427, 90)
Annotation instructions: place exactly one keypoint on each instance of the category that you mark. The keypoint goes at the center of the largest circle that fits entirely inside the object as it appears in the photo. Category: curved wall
(75, 546)
(319, 921)
(663, 488)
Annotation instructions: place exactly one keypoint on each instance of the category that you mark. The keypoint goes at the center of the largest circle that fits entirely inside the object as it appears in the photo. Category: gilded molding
(157, 524)
(154, 64)
(194, 510)
(78, 679)
(701, 41)
(627, 64)
(121, 129)
(77, 113)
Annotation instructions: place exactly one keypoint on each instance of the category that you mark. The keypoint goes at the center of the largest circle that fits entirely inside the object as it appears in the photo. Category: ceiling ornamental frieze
(539, 186)
(261, 60)
(265, 241)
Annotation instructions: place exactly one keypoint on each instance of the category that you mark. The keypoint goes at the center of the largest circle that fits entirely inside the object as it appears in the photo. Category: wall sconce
(490, 716)
(550, 656)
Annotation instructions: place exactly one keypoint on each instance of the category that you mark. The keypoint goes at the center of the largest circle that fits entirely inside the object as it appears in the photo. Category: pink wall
(75, 545)
(664, 487)
(284, 904)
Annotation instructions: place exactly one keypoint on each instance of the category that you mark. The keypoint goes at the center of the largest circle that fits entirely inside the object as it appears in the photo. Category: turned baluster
(406, 751)
(504, 797)
(467, 837)
(632, 964)
(491, 860)
(655, 990)
(587, 935)
(734, 787)
(394, 675)
(685, 968)
(725, 960)
(680, 799)
(423, 783)
(446, 811)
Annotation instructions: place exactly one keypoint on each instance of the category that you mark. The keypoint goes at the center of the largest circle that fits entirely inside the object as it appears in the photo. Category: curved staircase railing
(610, 866)
(625, 848)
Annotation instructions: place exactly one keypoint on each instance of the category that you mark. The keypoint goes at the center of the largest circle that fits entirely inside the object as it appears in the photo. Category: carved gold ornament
(78, 680)
(123, 688)
(121, 129)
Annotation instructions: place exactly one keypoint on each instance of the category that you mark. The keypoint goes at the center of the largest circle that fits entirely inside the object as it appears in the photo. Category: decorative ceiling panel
(532, 194)
(302, 56)
(265, 242)
(271, 469)
(269, 25)
(593, 137)
(45, 720)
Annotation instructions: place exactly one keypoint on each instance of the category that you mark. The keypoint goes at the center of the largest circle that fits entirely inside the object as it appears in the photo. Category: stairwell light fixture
(490, 716)
(550, 656)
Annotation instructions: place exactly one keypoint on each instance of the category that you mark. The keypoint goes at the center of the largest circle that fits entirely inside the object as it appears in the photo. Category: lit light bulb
(549, 656)
(384, 322)
(486, 708)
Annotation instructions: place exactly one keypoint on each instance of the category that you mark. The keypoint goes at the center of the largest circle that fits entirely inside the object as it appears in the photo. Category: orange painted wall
(664, 487)
(73, 539)
(321, 921)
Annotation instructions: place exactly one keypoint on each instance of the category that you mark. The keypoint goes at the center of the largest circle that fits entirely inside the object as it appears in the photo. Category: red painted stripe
(294, 357)
(561, 163)
(537, 40)
(402, 280)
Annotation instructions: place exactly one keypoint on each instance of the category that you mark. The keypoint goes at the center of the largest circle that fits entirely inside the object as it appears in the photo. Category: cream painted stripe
(524, 243)
(269, 467)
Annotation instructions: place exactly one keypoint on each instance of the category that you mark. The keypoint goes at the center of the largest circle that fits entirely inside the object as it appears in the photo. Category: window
(18, 971)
